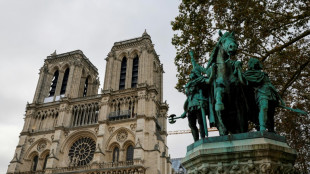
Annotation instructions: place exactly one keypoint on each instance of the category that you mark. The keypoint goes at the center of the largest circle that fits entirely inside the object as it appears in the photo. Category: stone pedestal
(250, 153)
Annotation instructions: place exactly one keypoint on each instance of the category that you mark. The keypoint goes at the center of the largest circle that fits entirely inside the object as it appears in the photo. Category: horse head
(228, 43)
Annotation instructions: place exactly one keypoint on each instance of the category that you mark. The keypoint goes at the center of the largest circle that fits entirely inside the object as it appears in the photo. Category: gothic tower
(70, 128)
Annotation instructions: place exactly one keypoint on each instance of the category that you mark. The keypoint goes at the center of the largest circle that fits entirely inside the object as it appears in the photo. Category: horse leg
(219, 92)
(221, 127)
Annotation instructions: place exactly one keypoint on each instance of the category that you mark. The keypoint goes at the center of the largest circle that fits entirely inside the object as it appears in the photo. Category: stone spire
(145, 35)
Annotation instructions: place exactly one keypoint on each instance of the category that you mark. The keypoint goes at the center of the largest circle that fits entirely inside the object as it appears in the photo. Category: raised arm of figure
(195, 64)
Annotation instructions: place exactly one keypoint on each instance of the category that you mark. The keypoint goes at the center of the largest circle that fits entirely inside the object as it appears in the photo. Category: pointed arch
(129, 149)
(122, 79)
(115, 154)
(64, 81)
(75, 136)
(131, 136)
(134, 53)
(34, 164)
(135, 69)
(54, 83)
(45, 161)
(29, 154)
(129, 153)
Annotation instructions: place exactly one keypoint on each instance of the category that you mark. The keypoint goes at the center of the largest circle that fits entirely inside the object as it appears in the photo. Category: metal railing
(120, 115)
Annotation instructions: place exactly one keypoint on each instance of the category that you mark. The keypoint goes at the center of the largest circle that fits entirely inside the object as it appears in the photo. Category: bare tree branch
(276, 49)
(293, 78)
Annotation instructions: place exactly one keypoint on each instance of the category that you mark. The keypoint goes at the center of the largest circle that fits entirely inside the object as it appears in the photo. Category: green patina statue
(266, 95)
(228, 96)
(196, 103)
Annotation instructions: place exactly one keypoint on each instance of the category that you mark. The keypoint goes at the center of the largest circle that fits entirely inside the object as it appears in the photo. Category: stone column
(40, 86)
(28, 117)
(116, 72)
(59, 84)
(129, 73)
(76, 79)
(70, 81)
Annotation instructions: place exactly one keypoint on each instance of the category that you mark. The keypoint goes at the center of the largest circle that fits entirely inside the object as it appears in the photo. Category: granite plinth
(253, 152)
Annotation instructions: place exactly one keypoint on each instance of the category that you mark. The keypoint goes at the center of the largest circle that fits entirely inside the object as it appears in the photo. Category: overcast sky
(31, 30)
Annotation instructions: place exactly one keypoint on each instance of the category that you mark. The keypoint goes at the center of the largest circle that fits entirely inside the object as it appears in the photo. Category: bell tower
(69, 75)
(133, 84)
(70, 128)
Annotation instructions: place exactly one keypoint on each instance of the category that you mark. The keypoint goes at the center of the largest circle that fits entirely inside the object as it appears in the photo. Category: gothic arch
(64, 67)
(134, 53)
(32, 150)
(113, 145)
(32, 154)
(128, 143)
(44, 153)
(74, 137)
(53, 69)
(90, 78)
(122, 55)
(109, 142)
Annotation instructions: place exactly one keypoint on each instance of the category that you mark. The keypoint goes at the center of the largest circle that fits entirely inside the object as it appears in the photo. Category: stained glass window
(82, 151)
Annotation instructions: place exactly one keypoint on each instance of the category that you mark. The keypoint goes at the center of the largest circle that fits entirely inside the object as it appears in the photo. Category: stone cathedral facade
(71, 128)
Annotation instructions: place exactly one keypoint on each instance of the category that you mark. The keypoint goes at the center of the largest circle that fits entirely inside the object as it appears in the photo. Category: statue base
(252, 152)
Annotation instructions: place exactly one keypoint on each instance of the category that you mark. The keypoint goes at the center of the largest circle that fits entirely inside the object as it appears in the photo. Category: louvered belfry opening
(85, 87)
(64, 82)
(123, 73)
(135, 67)
(54, 84)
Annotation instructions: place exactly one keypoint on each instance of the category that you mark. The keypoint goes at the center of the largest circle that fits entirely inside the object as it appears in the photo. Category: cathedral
(71, 128)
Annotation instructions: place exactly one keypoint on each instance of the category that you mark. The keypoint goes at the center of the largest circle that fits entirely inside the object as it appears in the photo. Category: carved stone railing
(32, 172)
(135, 165)
(85, 114)
(97, 96)
(120, 115)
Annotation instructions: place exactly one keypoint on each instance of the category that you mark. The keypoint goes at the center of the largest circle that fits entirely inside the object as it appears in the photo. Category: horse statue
(227, 104)
(229, 97)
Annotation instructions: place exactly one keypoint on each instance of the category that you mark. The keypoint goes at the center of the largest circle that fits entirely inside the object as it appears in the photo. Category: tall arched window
(64, 82)
(34, 163)
(115, 154)
(85, 87)
(54, 84)
(123, 74)
(129, 153)
(45, 161)
(135, 67)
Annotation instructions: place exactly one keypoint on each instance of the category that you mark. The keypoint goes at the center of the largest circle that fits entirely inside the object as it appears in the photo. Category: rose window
(82, 151)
